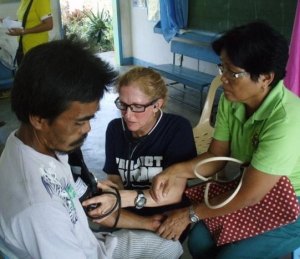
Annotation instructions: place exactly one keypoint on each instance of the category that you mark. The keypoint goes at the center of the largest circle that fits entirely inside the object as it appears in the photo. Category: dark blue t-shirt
(140, 159)
(137, 161)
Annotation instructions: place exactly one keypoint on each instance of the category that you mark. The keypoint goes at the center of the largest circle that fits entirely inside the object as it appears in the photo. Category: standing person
(38, 23)
(55, 94)
(257, 123)
(143, 142)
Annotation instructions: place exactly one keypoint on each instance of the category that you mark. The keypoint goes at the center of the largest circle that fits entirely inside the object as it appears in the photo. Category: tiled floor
(93, 148)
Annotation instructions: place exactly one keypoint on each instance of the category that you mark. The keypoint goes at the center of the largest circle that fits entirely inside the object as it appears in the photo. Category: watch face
(140, 201)
(194, 219)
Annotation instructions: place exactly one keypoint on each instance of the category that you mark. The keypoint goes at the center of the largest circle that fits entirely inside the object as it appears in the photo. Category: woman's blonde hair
(149, 82)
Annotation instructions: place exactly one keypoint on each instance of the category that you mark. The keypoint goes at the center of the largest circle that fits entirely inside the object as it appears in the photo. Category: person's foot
(4, 94)
(2, 123)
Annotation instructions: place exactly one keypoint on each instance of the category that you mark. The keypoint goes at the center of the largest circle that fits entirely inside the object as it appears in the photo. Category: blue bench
(6, 77)
(180, 73)
(296, 254)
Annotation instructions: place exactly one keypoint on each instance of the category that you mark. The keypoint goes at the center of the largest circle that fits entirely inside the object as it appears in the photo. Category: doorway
(93, 21)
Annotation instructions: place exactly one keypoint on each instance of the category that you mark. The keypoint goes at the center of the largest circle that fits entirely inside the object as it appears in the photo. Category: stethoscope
(136, 142)
(128, 135)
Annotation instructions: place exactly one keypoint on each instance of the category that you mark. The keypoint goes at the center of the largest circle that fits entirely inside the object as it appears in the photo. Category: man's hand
(175, 223)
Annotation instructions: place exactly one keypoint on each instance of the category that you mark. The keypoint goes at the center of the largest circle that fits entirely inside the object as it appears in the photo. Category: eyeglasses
(229, 73)
(133, 107)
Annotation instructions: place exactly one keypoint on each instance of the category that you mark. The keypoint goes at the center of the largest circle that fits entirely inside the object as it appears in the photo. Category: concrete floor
(93, 148)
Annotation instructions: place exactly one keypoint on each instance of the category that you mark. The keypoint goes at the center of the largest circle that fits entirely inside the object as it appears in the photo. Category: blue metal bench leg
(296, 254)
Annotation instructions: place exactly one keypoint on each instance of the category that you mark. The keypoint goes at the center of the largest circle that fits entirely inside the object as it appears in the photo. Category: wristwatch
(193, 217)
(140, 200)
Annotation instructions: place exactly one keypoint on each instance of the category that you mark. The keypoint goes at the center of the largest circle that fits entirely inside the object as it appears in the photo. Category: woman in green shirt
(258, 123)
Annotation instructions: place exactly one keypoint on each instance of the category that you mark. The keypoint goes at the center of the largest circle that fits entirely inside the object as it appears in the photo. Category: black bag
(82, 176)
(88, 186)
(19, 55)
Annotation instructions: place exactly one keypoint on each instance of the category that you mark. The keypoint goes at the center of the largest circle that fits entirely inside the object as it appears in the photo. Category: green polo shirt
(270, 138)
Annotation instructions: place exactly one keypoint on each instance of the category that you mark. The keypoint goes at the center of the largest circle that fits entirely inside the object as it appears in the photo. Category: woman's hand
(106, 201)
(161, 185)
(107, 184)
(175, 223)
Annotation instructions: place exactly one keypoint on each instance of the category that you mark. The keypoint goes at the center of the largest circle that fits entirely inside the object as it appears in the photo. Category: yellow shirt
(40, 10)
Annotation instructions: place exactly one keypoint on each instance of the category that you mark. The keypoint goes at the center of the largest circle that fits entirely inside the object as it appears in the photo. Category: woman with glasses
(142, 143)
(258, 123)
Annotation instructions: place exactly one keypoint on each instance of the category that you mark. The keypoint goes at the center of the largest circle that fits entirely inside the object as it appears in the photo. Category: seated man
(55, 94)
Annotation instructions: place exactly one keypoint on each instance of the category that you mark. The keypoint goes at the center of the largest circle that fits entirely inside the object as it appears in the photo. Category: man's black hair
(54, 74)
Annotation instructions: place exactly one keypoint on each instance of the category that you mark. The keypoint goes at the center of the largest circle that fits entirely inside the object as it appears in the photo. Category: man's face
(69, 130)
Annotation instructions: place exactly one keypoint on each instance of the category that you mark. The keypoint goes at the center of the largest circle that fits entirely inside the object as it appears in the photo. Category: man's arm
(132, 220)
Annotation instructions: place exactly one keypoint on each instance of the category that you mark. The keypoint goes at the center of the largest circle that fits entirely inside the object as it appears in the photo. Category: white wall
(56, 32)
(126, 32)
(146, 45)
(9, 9)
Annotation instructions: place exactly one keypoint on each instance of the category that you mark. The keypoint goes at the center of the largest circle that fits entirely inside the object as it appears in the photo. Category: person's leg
(201, 243)
(136, 244)
(272, 244)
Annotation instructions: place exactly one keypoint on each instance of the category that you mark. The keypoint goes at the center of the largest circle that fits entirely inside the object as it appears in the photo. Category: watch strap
(193, 216)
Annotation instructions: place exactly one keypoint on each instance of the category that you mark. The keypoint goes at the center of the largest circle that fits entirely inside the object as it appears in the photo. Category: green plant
(84, 24)
(100, 28)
